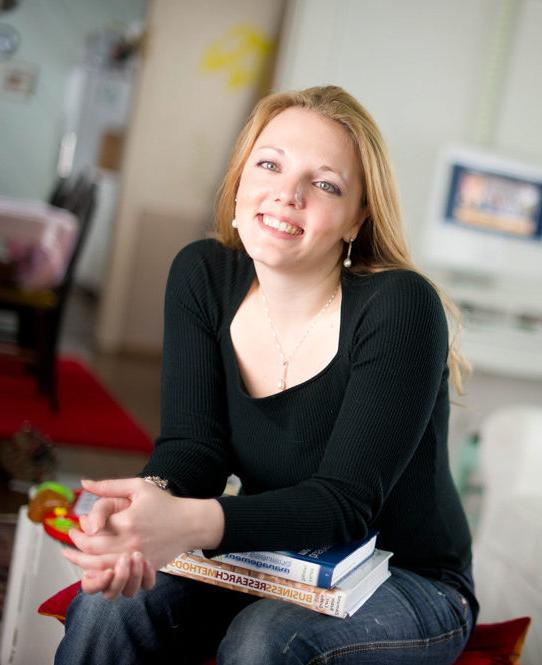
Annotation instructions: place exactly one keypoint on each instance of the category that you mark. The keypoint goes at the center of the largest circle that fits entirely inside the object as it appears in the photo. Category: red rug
(88, 415)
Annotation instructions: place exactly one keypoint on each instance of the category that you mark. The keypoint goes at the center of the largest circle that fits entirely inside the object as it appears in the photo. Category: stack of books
(334, 580)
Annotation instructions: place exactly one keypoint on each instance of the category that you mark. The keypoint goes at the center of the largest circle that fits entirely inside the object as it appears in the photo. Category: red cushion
(56, 606)
(496, 643)
(476, 658)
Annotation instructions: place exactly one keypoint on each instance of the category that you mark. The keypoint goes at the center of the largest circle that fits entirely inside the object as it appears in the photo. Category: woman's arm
(192, 451)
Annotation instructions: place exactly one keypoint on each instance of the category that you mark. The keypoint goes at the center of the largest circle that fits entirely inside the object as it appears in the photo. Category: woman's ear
(356, 226)
(363, 215)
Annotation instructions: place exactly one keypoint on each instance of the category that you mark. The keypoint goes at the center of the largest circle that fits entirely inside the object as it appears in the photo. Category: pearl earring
(348, 261)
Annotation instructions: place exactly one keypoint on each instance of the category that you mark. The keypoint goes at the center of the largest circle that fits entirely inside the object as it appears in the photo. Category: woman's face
(299, 193)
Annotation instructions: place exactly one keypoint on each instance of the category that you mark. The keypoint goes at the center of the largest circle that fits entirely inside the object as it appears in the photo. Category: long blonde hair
(382, 244)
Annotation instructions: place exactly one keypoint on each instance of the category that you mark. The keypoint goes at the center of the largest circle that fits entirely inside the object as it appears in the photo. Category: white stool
(37, 571)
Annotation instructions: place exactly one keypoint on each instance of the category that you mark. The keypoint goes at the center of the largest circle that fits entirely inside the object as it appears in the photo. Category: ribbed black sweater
(361, 444)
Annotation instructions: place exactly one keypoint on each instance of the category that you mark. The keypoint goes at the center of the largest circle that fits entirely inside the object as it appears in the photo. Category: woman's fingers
(95, 581)
(149, 576)
(121, 573)
(133, 585)
(85, 525)
(102, 510)
(100, 544)
(97, 562)
(83, 542)
(113, 574)
(119, 487)
(126, 578)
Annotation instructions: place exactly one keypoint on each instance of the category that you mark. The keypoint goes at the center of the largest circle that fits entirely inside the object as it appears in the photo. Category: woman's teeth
(274, 223)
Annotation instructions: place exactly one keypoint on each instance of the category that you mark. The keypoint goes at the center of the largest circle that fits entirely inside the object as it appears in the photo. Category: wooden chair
(39, 312)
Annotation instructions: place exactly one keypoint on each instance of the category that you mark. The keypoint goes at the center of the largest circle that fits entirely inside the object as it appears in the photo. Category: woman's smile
(282, 226)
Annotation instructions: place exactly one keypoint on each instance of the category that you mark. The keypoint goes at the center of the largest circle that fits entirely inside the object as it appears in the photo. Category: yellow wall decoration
(241, 53)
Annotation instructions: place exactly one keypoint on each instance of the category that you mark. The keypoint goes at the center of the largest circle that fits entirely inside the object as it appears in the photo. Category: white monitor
(485, 216)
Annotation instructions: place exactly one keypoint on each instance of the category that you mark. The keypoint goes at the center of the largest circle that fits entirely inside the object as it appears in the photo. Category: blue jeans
(409, 620)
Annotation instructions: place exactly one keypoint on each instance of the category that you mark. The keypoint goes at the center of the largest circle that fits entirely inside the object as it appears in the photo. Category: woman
(305, 353)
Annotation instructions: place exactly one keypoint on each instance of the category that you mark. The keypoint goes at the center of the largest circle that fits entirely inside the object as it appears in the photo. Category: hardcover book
(342, 601)
(323, 567)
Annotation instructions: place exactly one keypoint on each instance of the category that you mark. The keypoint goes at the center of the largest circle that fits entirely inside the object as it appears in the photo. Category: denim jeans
(409, 620)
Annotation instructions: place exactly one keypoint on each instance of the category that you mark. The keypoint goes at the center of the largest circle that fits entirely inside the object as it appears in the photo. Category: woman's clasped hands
(134, 529)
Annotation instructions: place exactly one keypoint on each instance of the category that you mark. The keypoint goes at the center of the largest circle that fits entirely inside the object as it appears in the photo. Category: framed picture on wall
(17, 80)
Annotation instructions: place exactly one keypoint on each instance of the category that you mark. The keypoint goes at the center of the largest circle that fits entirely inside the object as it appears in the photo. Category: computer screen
(485, 215)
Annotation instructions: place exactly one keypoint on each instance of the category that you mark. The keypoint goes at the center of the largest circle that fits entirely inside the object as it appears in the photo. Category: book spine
(257, 583)
(280, 565)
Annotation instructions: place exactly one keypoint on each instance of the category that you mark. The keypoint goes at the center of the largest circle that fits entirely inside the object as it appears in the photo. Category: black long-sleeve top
(361, 444)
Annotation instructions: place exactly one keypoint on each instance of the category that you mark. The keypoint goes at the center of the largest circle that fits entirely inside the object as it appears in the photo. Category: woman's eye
(266, 164)
(327, 187)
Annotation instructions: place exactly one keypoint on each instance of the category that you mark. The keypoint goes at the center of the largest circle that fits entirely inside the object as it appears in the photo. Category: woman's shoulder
(203, 252)
(402, 309)
(207, 274)
(208, 260)
(400, 298)
(397, 284)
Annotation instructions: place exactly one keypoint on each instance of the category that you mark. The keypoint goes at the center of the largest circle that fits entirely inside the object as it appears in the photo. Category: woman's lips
(280, 226)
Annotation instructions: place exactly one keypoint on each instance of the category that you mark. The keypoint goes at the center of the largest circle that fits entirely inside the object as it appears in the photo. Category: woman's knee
(271, 632)
(95, 626)
(113, 631)
(90, 613)
(87, 613)
(267, 632)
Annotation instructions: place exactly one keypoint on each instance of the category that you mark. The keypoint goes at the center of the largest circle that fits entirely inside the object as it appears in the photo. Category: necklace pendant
(285, 362)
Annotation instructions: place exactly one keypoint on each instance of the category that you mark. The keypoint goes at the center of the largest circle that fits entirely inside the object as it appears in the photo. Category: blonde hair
(382, 244)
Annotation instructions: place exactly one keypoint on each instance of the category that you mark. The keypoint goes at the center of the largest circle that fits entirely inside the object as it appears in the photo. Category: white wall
(519, 118)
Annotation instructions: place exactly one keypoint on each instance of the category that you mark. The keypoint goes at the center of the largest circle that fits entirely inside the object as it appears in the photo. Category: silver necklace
(284, 361)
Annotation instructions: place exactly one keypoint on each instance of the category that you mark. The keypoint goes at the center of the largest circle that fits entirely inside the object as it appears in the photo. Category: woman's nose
(291, 193)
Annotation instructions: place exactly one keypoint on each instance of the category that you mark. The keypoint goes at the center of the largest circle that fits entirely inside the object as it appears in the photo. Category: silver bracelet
(162, 483)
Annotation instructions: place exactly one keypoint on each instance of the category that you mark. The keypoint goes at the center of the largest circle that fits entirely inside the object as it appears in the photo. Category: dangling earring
(348, 261)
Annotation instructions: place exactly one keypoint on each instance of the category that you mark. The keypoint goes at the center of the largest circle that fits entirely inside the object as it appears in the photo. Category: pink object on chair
(38, 239)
